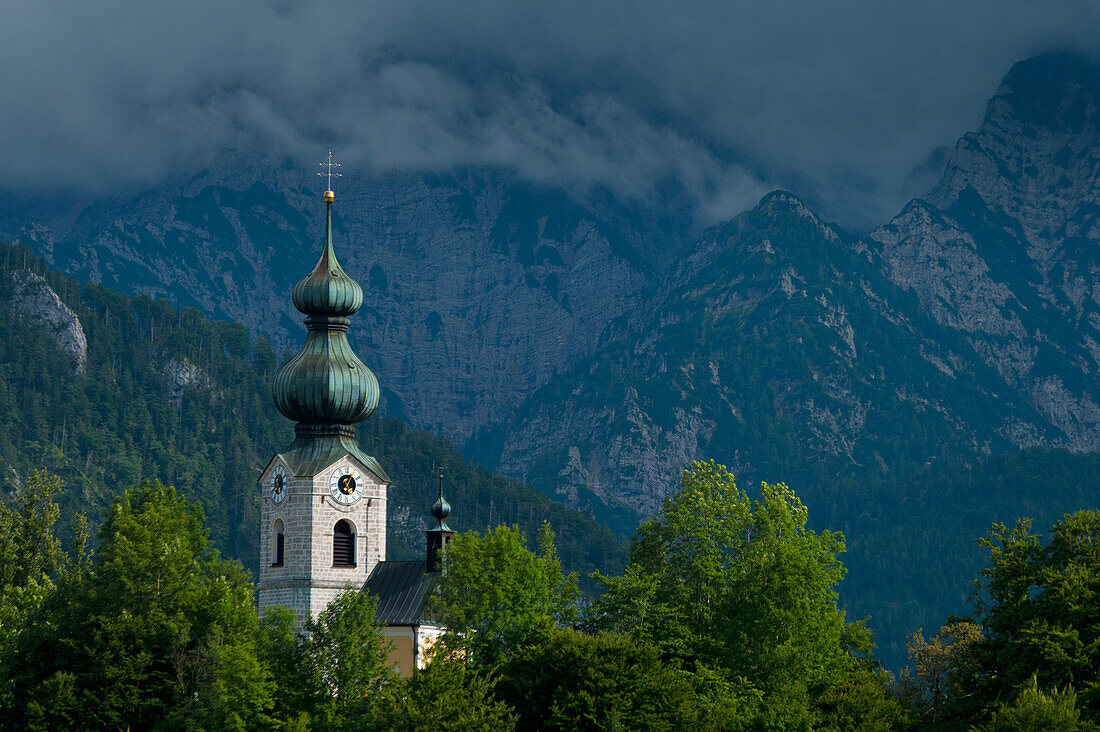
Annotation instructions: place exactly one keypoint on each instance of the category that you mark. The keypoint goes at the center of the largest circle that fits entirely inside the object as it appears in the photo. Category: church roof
(310, 457)
(402, 591)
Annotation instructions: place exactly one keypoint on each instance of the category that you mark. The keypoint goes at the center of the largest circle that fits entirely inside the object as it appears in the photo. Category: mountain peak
(788, 202)
(1054, 90)
(1036, 156)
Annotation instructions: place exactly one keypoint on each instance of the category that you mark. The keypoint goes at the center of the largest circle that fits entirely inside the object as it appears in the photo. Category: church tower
(323, 524)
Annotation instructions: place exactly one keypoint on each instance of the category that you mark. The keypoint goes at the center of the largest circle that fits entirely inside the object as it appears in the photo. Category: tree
(861, 700)
(445, 696)
(343, 659)
(1040, 606)
(31, 559)
(157, 630)
(1036, 710)
(724, 582)
(945, 671)
(494, 593)
(278, 648)
(564, 679)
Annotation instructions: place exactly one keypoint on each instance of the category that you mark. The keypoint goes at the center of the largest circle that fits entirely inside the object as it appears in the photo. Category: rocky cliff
(1009, 254)
(778, 347)
(34, 301)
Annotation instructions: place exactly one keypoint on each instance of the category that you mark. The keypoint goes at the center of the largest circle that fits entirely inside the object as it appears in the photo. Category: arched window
(343, 544)
(277, 546)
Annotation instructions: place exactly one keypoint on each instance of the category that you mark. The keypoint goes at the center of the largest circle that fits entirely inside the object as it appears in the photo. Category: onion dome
(441, 509)
(326, 383)
(327, 290)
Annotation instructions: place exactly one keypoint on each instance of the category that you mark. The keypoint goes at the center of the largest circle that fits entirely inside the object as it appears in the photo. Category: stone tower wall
(307, 582)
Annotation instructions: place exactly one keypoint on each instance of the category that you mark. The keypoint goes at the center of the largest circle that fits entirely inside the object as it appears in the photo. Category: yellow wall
(401, 653)
(404, 642)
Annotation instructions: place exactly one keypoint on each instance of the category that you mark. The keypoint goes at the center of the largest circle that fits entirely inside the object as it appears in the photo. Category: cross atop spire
(329, 195)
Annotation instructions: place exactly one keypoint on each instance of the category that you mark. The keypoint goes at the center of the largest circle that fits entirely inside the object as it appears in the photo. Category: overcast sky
(838, 101)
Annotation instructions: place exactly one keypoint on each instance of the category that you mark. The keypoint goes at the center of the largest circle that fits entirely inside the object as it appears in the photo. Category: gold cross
(329, 173)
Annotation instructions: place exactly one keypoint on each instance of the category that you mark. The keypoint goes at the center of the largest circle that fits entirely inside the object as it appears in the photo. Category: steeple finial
(329, 195)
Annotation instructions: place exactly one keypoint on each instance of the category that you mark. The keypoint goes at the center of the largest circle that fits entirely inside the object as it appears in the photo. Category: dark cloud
(837, 100)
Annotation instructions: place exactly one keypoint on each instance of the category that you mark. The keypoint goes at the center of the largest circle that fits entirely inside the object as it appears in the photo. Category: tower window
(343, 544)
(277, 548)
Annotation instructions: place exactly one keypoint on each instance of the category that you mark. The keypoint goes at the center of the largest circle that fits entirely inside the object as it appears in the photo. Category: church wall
(401, 650)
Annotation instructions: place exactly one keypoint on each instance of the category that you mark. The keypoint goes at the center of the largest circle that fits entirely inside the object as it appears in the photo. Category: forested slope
(167, 393)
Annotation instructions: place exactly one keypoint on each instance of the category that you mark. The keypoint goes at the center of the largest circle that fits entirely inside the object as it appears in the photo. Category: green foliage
(494, 592)
(911, 550)
(1039, 603)
(30, 559)
(158, 630)
(278, 645)
(945, 668)
(446, 696)
(1035, 710)
(721, 581)
(567, 680)
(30, 554)
(861, 700)
(342, 659)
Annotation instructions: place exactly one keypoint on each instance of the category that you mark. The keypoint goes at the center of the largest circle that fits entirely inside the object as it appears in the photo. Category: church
(323, 499)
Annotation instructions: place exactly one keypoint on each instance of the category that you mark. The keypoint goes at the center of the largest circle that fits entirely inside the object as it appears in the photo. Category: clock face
(278, 484)
(346, 485)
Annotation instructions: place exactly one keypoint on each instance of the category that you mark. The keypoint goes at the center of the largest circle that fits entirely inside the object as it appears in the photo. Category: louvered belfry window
(343, 545)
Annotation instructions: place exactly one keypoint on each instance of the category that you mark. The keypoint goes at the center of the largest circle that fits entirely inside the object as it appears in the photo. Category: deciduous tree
(494, 592)
(1039, 602)
(722, 581)
(157, 630)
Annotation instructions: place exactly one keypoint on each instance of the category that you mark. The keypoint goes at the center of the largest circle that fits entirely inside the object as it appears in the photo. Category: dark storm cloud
(838, 100)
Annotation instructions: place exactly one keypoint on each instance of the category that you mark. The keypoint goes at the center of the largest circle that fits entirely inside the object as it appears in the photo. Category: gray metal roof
(402, 592)
(307, 457)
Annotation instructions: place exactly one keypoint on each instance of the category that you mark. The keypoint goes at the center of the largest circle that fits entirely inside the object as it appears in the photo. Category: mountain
(106, 389)
(778, 347)
(488, 298)
(1008, 253)
(477, 286)
(785, 346)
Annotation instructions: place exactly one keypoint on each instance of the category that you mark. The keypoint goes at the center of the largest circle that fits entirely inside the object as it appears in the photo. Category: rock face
(476, 288)
(1010, 253)
(779, 347)
(182, 374)
(33, 300)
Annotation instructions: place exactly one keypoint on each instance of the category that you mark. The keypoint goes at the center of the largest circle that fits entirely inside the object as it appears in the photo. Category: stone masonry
(308, 581)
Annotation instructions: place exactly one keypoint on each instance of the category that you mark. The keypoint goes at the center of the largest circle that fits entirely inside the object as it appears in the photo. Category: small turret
(440, 534)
